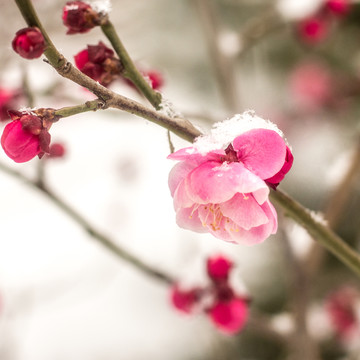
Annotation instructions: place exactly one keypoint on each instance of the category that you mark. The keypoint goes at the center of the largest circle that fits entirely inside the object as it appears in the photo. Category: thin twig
(94, 233)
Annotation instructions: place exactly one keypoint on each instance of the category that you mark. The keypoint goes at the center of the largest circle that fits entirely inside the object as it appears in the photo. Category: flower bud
(230, 317)
(29, 43)
(185, 300)
(338, 7)
(99, 63)
(25, 137)
(79, 17)
(218, 267)
(57, 150)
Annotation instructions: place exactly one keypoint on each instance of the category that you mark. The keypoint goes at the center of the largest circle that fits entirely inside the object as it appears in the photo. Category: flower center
(231, 154)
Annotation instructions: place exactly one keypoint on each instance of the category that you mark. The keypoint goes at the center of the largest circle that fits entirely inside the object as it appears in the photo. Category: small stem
(94, 233)
(318, 230)
(130, 71)
(73, 110)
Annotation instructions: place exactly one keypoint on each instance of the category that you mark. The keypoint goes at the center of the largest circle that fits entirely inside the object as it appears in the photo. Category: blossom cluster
(221, 183)
(316, 28)
(226, 309)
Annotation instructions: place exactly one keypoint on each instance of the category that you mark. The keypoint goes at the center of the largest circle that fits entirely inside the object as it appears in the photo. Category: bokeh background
(62, 295)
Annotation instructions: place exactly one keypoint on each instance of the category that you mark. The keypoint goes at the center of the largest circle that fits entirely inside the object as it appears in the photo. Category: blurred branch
(94, 233)
(223, 64)
(335, 208)
(259, 27)
(318, 230)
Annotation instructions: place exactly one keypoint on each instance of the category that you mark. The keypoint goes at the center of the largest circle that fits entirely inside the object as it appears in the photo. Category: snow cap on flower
(224, 132)
(25, 137)
(29, 43)
(79, 17)
(221, 183)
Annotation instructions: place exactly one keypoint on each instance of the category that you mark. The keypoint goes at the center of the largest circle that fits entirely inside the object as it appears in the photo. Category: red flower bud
(98, 62)
(29, 43)
(57, 150)
(313, 30)
(338, 7)
(218, 267)
(185, 300)
(231, 316)
(79, 17)
(156, 78)
(25, 137)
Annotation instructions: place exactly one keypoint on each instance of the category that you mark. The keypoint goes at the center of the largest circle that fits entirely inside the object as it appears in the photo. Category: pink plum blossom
(222, 188)
(311, 85)
(341, 307)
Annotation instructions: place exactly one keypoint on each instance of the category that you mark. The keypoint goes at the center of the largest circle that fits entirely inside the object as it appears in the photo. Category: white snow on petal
(101, 6)
(224, 132)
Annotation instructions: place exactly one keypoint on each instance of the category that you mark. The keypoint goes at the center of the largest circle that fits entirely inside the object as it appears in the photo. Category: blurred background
(62, 295)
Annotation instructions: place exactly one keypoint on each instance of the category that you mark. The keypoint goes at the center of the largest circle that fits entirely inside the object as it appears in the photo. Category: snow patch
(224, 132)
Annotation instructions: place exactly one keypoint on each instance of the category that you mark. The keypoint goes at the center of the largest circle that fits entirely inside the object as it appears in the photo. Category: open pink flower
(225, 191)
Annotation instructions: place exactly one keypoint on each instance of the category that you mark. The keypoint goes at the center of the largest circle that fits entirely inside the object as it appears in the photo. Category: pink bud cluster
(97, 61)
(316, 28)
(25, 137)
(226, 309)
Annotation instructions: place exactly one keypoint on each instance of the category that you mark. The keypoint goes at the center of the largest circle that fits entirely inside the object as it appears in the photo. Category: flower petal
(188, 218)
(178, 174)
(212, 182)
(262, 151)
(256, 234)
(244, 211)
